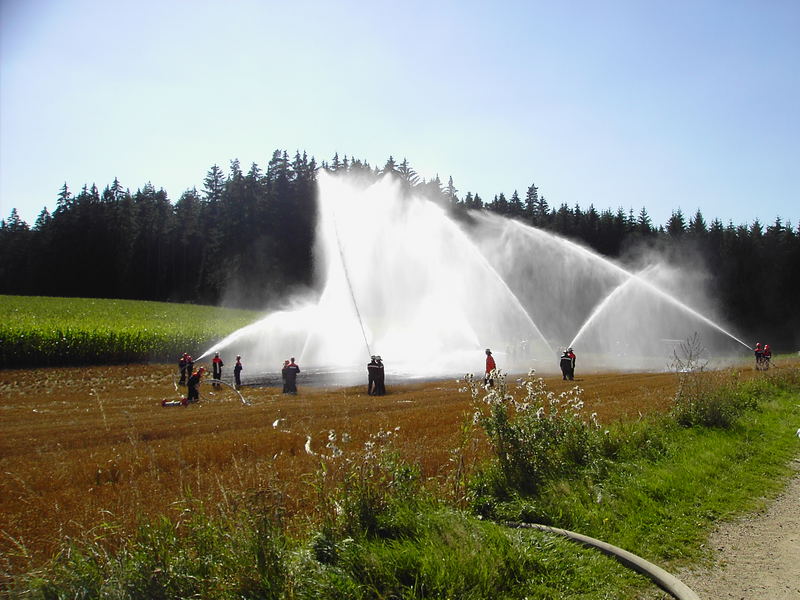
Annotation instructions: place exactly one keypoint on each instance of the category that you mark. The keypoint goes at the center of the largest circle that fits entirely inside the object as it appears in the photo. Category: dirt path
(758, 556)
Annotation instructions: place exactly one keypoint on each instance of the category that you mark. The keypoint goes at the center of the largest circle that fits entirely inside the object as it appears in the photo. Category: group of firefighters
(567, 364)
(191, 378)
(376, 385)
(375, 377)
(763, 356)
(289, 375)
(375, 373)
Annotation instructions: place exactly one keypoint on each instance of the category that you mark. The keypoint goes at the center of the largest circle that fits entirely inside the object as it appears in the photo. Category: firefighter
(571, 355)
(194, 385)
(283, 376)
(372, 373)
(759, 352)
(566, 365)
(766, 357)
(216, 368)
(380, 384)
(291, 377)
(237, 372)
(182, 369)
(490, 366)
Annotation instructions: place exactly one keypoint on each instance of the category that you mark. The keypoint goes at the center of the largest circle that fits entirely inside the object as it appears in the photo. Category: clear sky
(675, 104)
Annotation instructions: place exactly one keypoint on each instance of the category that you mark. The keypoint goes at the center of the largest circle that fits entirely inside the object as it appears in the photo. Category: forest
(246, 240)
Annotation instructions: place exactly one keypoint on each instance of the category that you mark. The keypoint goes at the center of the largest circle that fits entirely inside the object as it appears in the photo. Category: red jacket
(490, 364)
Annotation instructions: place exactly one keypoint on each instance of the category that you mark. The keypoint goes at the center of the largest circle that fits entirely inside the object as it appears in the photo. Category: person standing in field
(194, 385)
(488, 378)
(759, 353)
(571, 355)
(216, 368)
(291, 376)
(182, 369)
(380, 382)
(566, 365)
(237, 372)
(372, 373)
(283, 376)
(766, 357)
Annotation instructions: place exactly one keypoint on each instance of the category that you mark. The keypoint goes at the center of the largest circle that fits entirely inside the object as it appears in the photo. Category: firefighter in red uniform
(193, 385)
(216, 368)
(490, 366)
(766, 357)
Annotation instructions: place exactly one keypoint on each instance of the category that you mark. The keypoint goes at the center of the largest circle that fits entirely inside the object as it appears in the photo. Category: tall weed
(535, 435)
(706, 398)
(242, 554)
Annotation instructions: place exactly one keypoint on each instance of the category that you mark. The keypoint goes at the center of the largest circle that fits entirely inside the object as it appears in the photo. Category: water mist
(400, 278)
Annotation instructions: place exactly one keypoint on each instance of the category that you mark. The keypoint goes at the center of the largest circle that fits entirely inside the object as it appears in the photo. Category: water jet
(399, 277)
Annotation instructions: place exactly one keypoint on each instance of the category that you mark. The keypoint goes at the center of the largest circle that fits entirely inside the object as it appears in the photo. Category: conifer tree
(389, 167)
(515, 207)
(531, 211)
(676, 226)
(407, 174)
(697, 224)
(450, 193)
(643, 223)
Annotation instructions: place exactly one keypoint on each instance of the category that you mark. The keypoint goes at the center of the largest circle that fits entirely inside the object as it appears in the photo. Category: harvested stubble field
(85, 446)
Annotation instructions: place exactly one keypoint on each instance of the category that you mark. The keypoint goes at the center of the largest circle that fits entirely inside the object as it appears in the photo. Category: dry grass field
(86, 446)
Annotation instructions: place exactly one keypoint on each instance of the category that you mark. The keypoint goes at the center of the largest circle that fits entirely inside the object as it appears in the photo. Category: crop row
(36, 331)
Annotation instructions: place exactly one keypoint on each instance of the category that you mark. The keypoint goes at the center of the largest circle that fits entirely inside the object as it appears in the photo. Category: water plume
(400, 278)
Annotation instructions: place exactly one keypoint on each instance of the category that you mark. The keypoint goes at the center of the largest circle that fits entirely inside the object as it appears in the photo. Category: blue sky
(666, 105)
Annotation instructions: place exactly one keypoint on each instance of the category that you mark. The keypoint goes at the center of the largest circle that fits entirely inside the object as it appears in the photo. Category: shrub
(540, 437)
(703, 398)
(370, 492)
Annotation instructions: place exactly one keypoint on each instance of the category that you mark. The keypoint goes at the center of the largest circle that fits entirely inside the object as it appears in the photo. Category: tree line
(247, 238)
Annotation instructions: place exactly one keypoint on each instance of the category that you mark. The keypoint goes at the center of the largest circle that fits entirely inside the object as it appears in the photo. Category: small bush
(703, 398)
(537, 438)
(369, 492)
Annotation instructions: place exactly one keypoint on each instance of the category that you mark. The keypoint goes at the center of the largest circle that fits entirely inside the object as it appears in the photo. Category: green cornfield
(38, 331)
